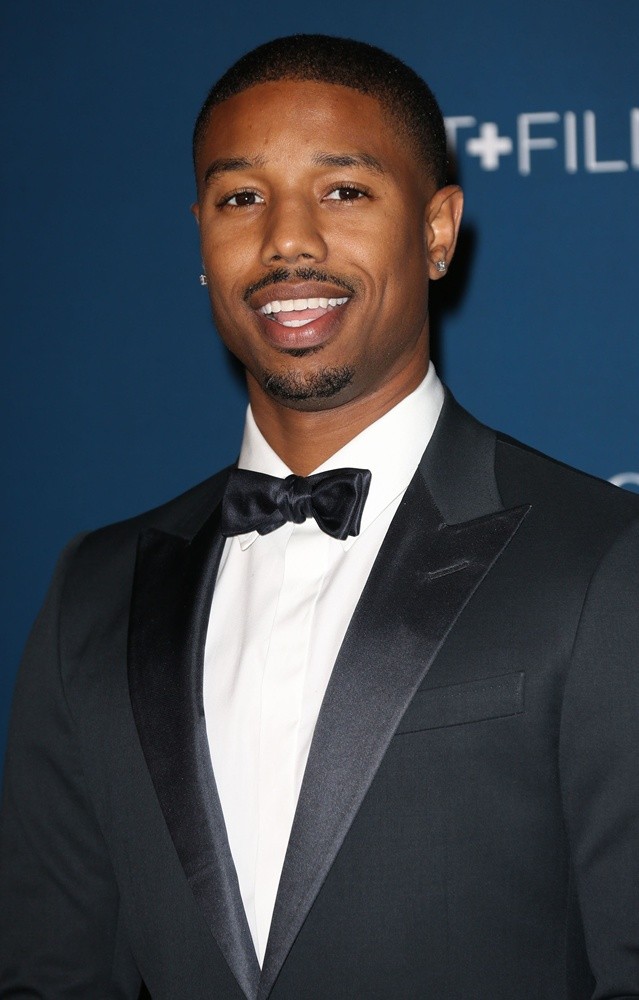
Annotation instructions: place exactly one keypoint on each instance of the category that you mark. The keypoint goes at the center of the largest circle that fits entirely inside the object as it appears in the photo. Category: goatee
(294, 387)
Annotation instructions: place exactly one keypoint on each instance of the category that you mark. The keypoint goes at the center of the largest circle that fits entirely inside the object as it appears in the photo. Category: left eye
(345, 193)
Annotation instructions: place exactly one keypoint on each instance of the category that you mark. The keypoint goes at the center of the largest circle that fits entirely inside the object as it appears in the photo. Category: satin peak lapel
(173, 585)
(426, 572)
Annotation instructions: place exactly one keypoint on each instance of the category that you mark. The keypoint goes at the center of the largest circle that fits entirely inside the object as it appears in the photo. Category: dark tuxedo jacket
(468, 824)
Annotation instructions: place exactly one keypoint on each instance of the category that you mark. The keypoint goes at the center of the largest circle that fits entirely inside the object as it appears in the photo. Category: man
(371, 734)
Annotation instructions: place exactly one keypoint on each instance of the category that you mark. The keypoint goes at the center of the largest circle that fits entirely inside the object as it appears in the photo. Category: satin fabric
(257, 502)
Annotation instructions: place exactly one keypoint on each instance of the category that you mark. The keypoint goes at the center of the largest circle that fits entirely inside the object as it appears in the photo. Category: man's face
(313, 217)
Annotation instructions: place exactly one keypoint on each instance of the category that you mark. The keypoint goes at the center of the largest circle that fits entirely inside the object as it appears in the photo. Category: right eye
(242, 199)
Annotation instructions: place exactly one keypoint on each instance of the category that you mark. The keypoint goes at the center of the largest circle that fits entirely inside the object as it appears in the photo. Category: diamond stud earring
(203, 280)
(441, 266)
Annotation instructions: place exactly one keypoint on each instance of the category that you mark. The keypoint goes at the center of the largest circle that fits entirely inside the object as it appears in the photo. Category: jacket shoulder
(521, 470)
(182, 515)
(108, 553)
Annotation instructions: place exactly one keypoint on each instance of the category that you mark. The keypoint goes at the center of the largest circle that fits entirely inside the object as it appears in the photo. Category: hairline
(384, 101)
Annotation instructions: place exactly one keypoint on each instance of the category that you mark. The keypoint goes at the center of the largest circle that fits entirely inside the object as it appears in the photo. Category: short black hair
(349, 63)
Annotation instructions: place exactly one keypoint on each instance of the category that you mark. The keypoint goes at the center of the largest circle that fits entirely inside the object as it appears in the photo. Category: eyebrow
(228, 164)
(349, 160)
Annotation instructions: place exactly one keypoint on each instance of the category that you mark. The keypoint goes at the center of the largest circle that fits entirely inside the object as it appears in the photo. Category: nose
(292, 232)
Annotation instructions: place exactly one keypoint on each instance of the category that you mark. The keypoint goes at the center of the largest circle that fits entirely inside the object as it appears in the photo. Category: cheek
(223, 248)
(226, 317)
(394, 250)
(233, 323)
(221, 260)
(227, 273)
(407, 237)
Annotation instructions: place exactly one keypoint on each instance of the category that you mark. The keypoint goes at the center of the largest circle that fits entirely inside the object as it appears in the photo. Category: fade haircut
(403, 94)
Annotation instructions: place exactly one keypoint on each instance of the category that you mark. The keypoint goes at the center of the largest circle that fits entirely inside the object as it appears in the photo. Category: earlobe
(195, 209)
(443, 218)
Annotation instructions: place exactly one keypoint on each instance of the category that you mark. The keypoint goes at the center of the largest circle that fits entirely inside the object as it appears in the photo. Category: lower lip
(315, 333)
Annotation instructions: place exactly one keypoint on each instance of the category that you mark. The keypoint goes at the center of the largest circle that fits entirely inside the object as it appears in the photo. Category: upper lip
(282, 290)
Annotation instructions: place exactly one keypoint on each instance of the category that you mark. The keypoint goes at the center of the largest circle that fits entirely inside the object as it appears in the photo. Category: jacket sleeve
(599, 762)
(61, 933)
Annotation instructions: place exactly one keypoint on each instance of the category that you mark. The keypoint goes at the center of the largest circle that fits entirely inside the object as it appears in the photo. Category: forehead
(300, 113)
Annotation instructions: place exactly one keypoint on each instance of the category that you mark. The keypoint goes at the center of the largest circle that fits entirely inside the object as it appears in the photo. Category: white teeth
(300, 305)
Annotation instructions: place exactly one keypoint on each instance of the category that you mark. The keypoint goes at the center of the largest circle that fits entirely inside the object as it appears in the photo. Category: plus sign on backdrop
(117, 392)
(489, 145)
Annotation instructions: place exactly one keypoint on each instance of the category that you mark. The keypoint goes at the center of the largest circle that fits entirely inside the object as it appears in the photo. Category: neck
(305, 439)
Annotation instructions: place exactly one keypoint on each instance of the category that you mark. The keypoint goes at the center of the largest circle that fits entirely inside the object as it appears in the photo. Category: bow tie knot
(257, 502)
(296, 499)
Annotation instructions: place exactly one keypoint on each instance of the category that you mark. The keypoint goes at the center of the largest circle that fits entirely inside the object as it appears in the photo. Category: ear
(195, 209)
(443, 217)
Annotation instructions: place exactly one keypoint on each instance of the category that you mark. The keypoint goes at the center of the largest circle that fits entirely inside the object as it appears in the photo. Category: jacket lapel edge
(411, 601)
(173, 586)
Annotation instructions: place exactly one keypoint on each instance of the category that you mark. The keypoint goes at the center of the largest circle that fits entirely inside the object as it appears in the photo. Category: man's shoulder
(181, 515)
(575, 520)
(522, 470)
(112, 547)
(473, 470)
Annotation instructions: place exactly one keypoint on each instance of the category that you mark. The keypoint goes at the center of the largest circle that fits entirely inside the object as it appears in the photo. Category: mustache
(281, 274)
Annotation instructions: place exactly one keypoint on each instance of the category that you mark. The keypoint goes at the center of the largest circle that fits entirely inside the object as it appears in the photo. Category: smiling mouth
(300, 312)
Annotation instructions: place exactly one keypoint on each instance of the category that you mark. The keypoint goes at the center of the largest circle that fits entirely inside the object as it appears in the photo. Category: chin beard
(293, 387)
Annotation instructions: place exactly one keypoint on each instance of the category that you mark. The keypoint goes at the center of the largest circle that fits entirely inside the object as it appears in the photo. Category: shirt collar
(411, 422)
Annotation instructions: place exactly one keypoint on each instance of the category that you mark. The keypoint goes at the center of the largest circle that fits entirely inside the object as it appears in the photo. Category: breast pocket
(458, 704)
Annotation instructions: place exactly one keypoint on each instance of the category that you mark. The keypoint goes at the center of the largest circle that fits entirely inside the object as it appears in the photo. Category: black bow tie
(255, 502)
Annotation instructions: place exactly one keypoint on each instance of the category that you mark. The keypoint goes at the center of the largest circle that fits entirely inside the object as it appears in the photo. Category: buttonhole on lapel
(434, 574)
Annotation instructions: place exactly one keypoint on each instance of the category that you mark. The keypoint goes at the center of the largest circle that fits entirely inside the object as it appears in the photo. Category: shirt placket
(283, 685)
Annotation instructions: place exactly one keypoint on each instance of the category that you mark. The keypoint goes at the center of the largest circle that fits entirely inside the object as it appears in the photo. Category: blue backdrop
(116, 392)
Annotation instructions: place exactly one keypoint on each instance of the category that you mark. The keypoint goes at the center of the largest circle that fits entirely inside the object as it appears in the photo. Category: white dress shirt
(281, 607)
